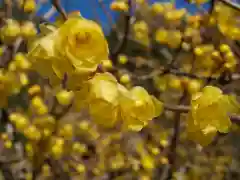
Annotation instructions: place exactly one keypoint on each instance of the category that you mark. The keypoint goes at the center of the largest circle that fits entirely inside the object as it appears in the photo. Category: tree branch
(8, 8)
(59, 8)
(122, 44)
(185, 109)
(175, 140)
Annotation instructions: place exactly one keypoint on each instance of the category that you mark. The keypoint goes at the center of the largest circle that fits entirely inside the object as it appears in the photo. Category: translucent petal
(230, 103)
(98, 109)
(158, 106)
(104, 89)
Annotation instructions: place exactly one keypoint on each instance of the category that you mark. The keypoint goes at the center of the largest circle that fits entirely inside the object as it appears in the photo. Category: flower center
(82, 37)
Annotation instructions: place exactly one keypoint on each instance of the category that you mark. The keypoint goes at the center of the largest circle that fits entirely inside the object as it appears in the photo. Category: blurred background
(99, 10)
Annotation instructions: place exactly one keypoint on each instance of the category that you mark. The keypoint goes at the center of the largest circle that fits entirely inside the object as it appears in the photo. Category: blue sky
(92, 10)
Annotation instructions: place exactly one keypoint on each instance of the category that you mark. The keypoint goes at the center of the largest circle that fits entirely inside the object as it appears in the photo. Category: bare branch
(123, 42)
(8, 8)
(59, 8)
(175, 140)
(185, 109)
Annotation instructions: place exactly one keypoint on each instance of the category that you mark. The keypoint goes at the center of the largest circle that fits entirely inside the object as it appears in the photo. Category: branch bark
(122, 44)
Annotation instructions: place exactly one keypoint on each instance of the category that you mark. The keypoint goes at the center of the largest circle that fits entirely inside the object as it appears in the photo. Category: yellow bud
(14, 116)
(23, 79)
(46, 170)
(125, 79)
(161, 36)
(164, 160)
(198, 51)
(83, 125)
(57, 151)
(12, 66)
(28, 29)
(21, 123)
(80, 168)
(79, 148)
(29, 6)
(67, 131)
(229, 55)
(122, 59)
(8, 144)
(4, 136)
(155, 150)
(215, 54)
(229, 65)
(32, 133)
(148, 162)
(175, 83)
(107, 64)
(224, 48)
(119, 6)
(65, 97)
(157, 8)
(164, 142)
(46, 132)
(193, 86)
(29, 149)
(212, 21)
(186, 46)
(35, 89)
(28, 176)
(38, 105)
(21, 61)
(10, 31)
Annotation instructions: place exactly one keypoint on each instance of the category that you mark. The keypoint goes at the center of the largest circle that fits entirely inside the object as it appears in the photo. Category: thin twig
(176, 72)
(6, 172)
(212, 5)
(178, 108)
(175, 140)
(185, 109)
(8, 8)
(122, 44)
(59, 8)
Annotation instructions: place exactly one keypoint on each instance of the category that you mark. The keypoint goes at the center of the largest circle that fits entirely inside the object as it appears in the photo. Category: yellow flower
(210, 113)
(209, 108)
(75, 49)
(41, 55)
(103, 97)
(197, 135)
(137, 107)
(82, 43)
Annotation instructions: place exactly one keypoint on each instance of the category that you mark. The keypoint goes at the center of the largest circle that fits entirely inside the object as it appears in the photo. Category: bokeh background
(98, 9)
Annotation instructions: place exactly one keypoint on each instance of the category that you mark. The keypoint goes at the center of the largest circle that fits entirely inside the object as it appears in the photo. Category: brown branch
(57, 169)
(6, 172)
(185, 109)
(59, 8)
(171, 64)
(122, 44)
(177, 108)
(175, 140)
(176, 72)
(212, 5)
(7, 6)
